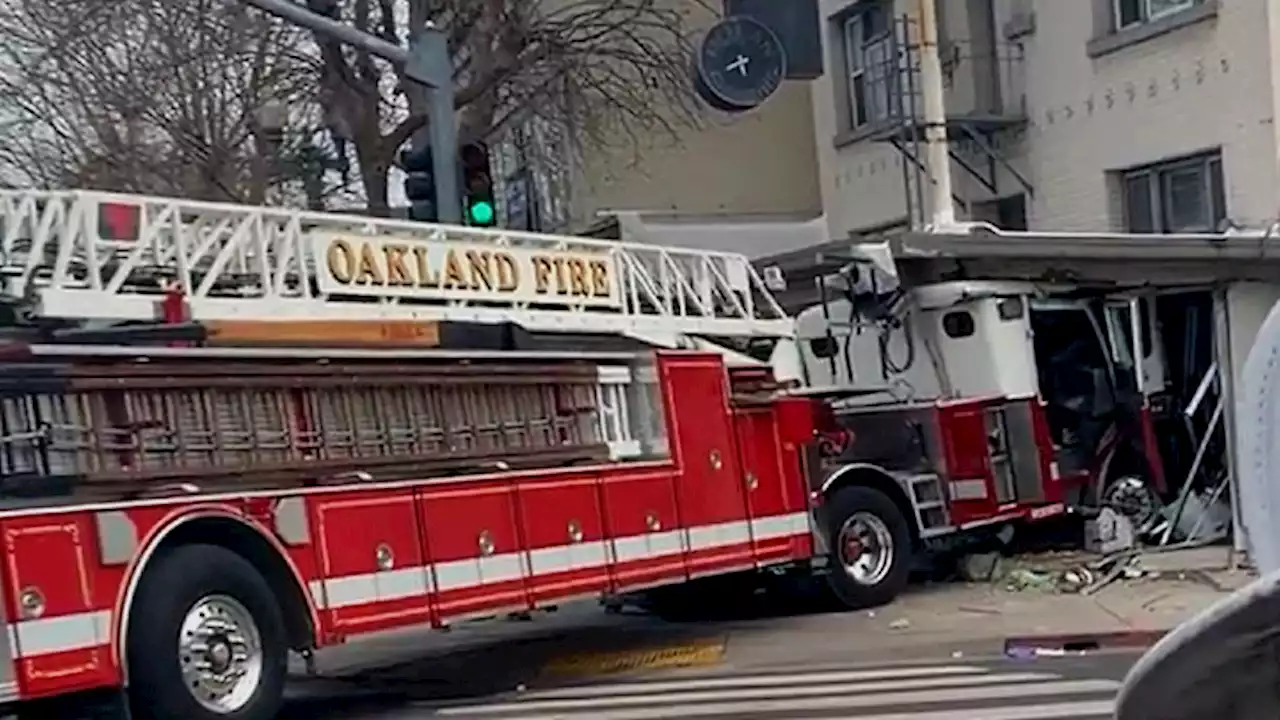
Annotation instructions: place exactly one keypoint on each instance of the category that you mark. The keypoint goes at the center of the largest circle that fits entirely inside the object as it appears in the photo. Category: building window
(868, 61)
(1136, 12)
(1184, 196)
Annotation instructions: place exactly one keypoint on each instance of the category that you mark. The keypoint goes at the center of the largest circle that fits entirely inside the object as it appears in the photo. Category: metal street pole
(937, 152)
(429, 57)
(426, 62)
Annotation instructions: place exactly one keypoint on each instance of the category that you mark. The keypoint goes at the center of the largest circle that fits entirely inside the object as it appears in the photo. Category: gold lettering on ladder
(600, 280)
(341, 260)
(541, 274)
(398, 274)
(388, 263)
(368, 272)
(562, 287)
(508, 272)
(425, 277)
(454, 278)
(480, 264)
(578, 278)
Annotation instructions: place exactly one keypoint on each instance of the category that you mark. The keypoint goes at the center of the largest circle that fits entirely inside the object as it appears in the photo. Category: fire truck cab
(978, 404)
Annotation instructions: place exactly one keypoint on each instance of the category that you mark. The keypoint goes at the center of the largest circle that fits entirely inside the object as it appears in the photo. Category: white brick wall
(861, 183)
(1197, 87)
(1200, 86)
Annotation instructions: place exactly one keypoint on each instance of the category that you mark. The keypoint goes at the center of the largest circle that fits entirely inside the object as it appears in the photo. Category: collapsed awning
(1088, 258)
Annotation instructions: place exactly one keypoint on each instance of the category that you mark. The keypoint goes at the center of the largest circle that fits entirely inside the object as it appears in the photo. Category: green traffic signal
(480, 213)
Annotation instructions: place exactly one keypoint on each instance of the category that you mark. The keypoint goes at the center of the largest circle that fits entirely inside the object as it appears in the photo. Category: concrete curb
(1067, 643)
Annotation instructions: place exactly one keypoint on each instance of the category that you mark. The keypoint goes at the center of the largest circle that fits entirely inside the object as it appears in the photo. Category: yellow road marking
(694, 654)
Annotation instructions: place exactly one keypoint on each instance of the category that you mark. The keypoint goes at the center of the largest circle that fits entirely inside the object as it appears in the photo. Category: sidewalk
(980, 619)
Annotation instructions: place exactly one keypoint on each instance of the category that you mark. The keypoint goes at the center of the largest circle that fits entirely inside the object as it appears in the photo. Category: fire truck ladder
(81, 256)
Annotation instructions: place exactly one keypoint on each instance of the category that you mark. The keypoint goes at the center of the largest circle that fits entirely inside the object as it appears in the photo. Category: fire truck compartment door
(709, 489)
(775, 498)
(1133, 344)
(968, 460)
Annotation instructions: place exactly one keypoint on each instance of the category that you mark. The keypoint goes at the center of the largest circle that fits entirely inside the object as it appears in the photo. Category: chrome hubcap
(866, 548)
(220, 653)
(1133, 498)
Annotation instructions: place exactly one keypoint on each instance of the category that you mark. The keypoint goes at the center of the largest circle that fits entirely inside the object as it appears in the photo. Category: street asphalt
(1081, 687)
(630, 669)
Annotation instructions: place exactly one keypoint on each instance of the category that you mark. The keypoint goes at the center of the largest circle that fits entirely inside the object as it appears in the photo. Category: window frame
(1156, 178)
(857, 39)
(1145, 14)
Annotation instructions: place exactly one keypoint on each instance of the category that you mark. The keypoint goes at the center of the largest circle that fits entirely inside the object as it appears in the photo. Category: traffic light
(477, 186)
(420, 184)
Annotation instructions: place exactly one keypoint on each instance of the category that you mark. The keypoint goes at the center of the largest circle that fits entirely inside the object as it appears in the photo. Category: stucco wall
(762, 162)
(758, 163)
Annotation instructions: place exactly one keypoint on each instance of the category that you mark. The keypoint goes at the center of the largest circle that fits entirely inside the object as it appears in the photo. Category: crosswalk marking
(887, 693)
(940, 692)
(752, 681)
(1097, 709)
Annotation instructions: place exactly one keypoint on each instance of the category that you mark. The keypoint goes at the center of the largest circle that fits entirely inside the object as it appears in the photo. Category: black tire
(169, 589)
(849, 592)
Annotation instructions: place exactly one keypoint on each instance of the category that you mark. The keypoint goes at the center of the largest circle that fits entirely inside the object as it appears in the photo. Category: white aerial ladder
(92, 256)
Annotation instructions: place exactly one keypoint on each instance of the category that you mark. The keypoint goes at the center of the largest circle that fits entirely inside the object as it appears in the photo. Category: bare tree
(154, 96)
(605, 71)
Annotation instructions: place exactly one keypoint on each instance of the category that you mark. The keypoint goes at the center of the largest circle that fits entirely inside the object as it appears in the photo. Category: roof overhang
(1087, 258)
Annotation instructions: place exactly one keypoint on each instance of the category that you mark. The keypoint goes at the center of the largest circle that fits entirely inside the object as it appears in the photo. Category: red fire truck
(228, 433)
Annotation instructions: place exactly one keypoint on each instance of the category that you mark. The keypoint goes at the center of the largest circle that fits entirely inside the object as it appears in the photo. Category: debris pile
(1073, 572)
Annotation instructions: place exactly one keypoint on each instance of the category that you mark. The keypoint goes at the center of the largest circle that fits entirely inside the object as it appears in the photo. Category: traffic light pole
(429, 58)
(426, 62)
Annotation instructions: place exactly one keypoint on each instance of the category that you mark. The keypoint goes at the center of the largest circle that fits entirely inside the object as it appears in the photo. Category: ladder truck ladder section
(260, 430)
(82, 255)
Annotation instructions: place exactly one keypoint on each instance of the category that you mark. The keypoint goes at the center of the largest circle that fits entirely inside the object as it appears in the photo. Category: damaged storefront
(1131, 344)
(1005, 380)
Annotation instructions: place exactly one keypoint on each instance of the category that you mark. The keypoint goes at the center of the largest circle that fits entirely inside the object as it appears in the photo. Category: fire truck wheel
(871, 547)
(206, 639)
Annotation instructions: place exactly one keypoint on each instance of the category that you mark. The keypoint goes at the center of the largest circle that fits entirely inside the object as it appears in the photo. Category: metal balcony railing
(984, 81)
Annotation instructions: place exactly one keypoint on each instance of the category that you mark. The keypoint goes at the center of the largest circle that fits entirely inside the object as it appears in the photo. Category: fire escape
(983, 79)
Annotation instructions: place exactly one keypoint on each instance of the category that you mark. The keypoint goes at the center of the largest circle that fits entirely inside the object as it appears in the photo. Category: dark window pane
(1148, 330)
(879, 79)
(1185, 199)
(1129, 12)
(1137, 204)
(853, 40)
(859, 92)
(1010, 308)
(875, 19)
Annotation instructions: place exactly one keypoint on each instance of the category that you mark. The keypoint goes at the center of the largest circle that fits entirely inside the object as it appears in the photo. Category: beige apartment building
(1065, 115)
(759, 166)
(746, 182)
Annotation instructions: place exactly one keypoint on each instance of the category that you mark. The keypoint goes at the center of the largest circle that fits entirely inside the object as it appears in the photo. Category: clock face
(739, 64)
